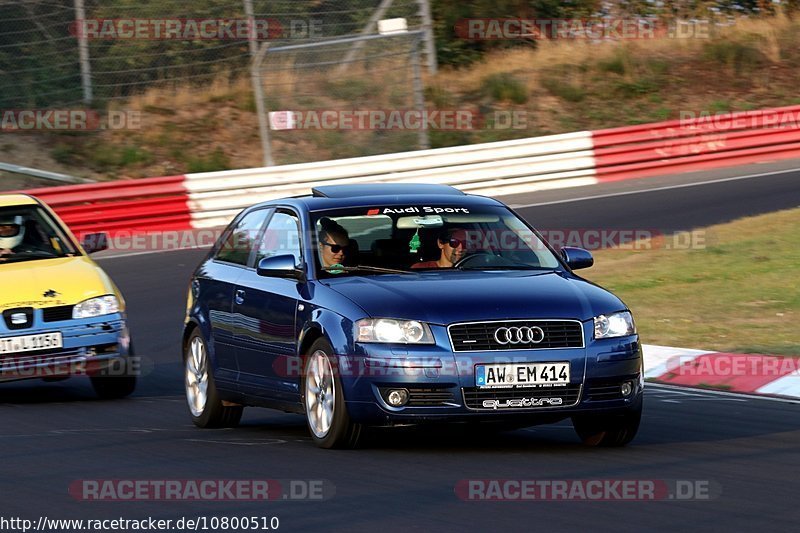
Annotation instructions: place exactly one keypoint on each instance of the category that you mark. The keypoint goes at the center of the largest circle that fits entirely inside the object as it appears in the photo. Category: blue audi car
(397, 304)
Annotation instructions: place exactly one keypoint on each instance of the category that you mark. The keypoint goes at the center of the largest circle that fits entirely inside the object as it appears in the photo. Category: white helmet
(12, 232)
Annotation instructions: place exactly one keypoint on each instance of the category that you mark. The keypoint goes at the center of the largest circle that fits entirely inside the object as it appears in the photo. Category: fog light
(397, 397)
(125, 338)
(626, 389)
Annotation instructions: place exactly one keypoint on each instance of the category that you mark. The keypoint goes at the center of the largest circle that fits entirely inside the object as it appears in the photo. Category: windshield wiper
(365, 268)
(518, 267)
(510, 266)
(10, 259)
(21, 257)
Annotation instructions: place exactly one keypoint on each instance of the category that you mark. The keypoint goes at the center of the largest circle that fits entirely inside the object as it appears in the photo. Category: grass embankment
(561, 86)
(741, 293)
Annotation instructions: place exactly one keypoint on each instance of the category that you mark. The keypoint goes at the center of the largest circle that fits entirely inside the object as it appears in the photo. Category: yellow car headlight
(102, 305)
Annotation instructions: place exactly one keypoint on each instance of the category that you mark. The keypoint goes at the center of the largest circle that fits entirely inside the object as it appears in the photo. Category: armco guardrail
(43, 174)
(132, 205)
(216, 196)
(583, 158)
(701, 143)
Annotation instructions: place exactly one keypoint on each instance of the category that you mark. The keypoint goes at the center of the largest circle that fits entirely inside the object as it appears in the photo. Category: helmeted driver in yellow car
(12, 237)
(11, 234)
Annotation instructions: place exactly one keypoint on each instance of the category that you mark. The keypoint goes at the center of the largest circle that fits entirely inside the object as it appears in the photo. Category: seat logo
(19, 319)
(522, 335)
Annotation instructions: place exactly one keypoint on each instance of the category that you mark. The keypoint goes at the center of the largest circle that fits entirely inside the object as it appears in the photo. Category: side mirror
(577, 258)
(95, 242)
(280, 266)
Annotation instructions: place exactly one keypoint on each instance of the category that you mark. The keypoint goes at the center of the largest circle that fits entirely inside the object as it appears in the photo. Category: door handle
(239, 297)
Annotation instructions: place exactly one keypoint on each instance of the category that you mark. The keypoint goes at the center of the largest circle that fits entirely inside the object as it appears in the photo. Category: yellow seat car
(62, 315)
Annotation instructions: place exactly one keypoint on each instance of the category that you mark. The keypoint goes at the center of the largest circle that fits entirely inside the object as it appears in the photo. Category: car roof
(381, 194)
(382, 189)
(12, 200)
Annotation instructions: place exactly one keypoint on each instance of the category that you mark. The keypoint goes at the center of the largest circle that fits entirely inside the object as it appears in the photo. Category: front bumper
(90, 346)
(441, 383)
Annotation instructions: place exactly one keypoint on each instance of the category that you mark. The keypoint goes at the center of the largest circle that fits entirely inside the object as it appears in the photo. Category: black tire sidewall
(108, 386)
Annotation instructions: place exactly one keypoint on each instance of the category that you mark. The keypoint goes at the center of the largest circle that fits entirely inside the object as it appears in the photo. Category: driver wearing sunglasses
(452, 247)
(334, 243)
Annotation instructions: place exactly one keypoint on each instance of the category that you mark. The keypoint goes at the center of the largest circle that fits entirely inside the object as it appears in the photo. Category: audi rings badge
(519, 335)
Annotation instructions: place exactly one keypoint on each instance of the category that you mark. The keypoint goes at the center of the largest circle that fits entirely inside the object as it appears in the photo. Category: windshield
(418, 238)
(28, 233)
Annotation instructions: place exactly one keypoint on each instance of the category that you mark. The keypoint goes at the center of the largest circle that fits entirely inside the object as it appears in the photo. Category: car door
(265, 308)
(217, 282)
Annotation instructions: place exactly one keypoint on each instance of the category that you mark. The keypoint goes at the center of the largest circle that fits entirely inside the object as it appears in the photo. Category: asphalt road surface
(737, 455)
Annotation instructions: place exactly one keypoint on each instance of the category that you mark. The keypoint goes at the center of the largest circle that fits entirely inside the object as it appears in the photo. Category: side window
(239, 242)
(281, 237)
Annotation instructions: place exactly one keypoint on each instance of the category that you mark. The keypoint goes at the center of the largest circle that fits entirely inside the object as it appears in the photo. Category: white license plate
(510, 375)
(31, 343)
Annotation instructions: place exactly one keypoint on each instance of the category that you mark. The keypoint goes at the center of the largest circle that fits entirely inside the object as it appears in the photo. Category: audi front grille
(515, 335)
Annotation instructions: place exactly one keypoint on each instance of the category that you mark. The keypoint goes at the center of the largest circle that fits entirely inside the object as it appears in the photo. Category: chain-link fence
(299, 55)
(362, 95)
(39, 62)
(133, 44)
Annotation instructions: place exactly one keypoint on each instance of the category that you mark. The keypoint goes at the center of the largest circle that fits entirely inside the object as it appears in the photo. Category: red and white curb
(747, 373)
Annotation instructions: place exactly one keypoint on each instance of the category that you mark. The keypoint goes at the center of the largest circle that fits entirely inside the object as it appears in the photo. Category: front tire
(608, 430)
(328, 421)
(204, 404)
(109, 386)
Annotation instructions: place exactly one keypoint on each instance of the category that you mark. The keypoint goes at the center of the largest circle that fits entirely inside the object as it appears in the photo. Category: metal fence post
(430, 41)
(261, 109)
(256, 56)
(83, 51)
(419, 96)
(378, 14)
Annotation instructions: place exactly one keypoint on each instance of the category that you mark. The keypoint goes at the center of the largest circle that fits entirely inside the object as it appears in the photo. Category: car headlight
(102, 305)
(390, 330)
(615, 325)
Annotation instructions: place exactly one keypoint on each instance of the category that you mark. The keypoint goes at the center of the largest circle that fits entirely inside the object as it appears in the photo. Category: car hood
(445, 298)
(71, 280)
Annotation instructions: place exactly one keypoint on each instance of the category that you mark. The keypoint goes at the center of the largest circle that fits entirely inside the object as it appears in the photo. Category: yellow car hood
(52, 282)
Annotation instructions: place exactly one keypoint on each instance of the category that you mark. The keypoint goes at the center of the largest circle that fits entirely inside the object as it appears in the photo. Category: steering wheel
(467, 258)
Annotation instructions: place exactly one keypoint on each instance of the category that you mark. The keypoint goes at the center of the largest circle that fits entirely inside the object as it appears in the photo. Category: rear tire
(202, 398)
(608, 430)
(327, 418)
